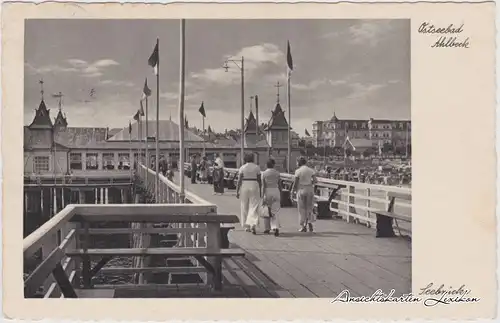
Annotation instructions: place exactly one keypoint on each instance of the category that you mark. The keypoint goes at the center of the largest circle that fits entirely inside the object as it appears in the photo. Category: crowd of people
(381, 175)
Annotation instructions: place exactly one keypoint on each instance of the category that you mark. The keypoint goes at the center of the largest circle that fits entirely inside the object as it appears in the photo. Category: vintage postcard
(185, 161)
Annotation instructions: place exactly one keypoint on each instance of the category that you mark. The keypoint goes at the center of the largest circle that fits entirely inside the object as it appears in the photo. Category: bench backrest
(401, 196)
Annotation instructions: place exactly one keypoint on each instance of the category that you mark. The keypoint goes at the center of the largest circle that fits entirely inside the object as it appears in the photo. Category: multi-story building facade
(362, 133)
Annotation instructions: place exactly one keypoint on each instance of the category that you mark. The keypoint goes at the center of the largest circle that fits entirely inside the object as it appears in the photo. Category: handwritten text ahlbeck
(448, 35)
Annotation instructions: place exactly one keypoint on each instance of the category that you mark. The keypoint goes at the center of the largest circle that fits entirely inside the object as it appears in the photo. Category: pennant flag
(137, 114)
(141, 110)
(209, 129)
(307, 133)
(153, 59)
(202, 110)
(186, 124)
(289, 60)
(146, 91)
(129, 127)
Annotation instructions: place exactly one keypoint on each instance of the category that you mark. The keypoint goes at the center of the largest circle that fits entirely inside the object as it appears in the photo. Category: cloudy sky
(357, 68)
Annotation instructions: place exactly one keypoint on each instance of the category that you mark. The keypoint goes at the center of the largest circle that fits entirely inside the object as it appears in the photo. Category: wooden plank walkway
(337, 256)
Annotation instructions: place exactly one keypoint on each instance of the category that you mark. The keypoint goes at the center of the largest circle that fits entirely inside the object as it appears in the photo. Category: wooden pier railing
(352, 201)
(67, 254)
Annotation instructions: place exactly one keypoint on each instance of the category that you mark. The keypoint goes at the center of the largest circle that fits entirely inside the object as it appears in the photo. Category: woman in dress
(271, 191)
(305, 178)
(250, 185)
(218, 175)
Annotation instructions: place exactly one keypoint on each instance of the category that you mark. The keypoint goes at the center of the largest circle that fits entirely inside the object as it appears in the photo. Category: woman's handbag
(263, 210)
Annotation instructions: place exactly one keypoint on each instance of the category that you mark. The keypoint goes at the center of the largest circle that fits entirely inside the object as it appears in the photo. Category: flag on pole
(137, 115)
(129, 127)
(209, 129)
(186, 124)
(153, 59)
(202, 110)
(307, 133)
(289, 59)
(141, 110)
(146, 91)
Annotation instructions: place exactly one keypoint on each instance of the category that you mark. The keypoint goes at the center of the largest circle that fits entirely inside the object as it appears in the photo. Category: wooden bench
(322, 204)
(217, 244)
(385, 219)
(230, 180)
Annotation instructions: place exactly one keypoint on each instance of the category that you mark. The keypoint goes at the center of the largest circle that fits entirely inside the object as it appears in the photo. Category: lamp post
(240, 63)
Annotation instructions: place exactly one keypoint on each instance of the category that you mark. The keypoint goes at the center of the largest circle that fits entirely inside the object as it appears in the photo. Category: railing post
(214, 243)
(87, 279)
(368, 205)
(350, 201)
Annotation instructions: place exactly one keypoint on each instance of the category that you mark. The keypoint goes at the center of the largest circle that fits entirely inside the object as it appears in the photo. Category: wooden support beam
(63, 282)
(40, 274)
(177, 252)
(99, 265)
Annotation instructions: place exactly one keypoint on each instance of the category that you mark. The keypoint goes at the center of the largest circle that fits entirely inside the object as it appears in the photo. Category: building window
(363, 125)
(75, 161)
(91, 161)
(124, 161)
(355, 124)
(41, 164)
(108, 160)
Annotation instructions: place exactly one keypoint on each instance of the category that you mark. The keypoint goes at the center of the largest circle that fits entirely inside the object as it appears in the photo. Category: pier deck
(337, 256)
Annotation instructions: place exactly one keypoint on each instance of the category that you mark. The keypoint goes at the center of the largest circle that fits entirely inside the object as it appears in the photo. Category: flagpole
(147, 134)
(203, 118)
(242, 146)
(157, 158)
(289, 124)
(181, 109)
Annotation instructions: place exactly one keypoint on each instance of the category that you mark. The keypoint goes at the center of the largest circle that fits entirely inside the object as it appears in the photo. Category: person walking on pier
(204, 170)
(250, 184)
(305, 178)
(194, 169)
(271, 193)
(218, 175)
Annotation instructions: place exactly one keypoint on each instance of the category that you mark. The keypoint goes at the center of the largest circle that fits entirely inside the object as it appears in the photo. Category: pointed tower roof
(60, 120)
(251, 124)
(278, 119)
(42, 118)
(334, 118)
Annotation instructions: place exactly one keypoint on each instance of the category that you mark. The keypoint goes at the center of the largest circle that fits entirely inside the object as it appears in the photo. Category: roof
(42, 118)
(251, 124)
(113, 131)
(169, 131)
(60, 120)
(278, 120)
(80, 137)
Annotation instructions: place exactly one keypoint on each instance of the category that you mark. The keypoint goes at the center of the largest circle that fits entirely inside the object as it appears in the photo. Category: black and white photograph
(217, 158)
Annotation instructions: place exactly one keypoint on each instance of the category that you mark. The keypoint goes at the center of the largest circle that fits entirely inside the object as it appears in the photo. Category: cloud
(255, 58)
(76, 65)
(362, 91)
(369, 32)
(117, 83)
(77, 62)
(315, 84)
(105, 63)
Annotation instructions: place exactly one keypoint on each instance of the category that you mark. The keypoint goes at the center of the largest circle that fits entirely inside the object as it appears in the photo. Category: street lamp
(241, 65)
